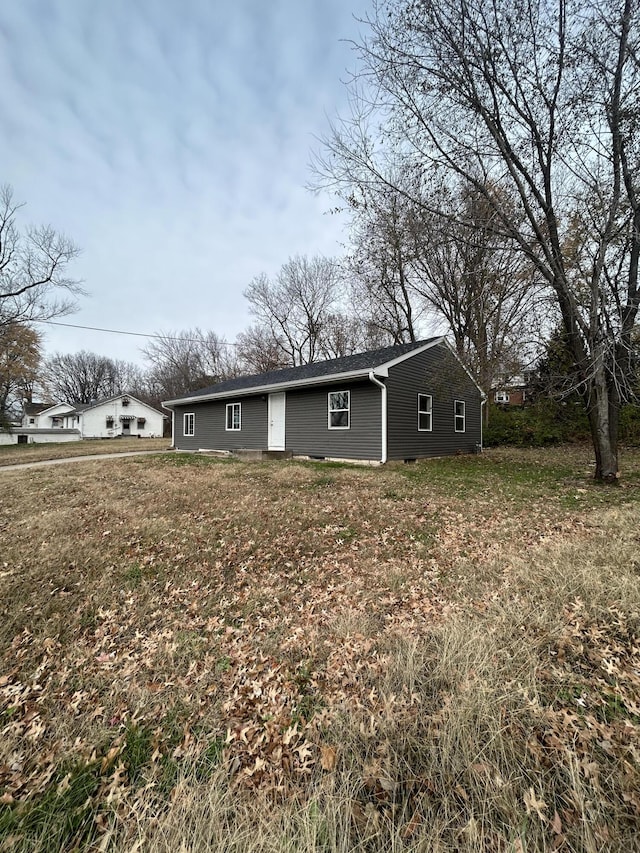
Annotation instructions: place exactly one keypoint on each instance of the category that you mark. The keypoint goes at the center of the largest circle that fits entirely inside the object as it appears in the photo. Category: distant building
(120, 415)
(510, 391)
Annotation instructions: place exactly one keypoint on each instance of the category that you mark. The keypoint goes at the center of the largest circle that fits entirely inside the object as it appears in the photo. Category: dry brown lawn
(206, 654)
(15, 454)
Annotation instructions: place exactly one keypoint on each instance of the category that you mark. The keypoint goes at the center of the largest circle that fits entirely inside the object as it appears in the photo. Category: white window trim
(463, 416)
(185, 430)
(232, 428)
(347, 410)
(502, 397)
(428, 412)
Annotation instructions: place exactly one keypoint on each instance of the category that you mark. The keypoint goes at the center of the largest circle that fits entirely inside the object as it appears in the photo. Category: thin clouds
(171, 141)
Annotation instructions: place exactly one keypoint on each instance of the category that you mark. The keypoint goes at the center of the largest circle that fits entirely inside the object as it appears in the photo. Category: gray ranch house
(401, 402)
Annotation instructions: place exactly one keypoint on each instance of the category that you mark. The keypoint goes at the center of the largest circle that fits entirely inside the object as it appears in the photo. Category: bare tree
(34, 284)
(347, 333)
(185, 361)
(487, 290)
(411, 264)
(85, 376)
(380, 263)
(258, 351)
(537, 101)
(293, 309)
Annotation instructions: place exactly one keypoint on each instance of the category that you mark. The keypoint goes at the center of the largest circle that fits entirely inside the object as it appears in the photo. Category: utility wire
(134, 334)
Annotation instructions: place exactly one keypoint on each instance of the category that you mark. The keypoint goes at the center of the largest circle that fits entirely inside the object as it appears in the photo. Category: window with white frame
(339, 409)
(425, 412)
(502, 396)
(189, 427)
(234, 417)
(459, 416)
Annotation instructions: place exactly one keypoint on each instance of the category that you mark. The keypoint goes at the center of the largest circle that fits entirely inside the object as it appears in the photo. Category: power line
(134, 334)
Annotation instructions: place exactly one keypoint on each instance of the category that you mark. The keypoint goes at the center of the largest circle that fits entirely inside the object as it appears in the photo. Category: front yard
(207, 654)
(15, 454)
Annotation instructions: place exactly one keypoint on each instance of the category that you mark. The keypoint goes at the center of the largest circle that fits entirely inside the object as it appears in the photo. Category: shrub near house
(547, 422)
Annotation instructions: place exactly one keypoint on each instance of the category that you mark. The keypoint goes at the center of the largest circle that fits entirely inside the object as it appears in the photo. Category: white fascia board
(383, 370)
(278, 386)
(54, 406)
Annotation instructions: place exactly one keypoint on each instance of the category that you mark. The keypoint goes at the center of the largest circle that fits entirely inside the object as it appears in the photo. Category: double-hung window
(459, 417)
(234, 417)
(189, 425)
(339, 409)
(425, 412)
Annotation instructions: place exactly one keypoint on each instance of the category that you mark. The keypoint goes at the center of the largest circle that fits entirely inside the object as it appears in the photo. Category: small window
(189, 427)
(234, 416)
(459, 416)
(141, 423)
(425, 407)
(502, 396)
(109, 423)
(32, 420)
(339, 409)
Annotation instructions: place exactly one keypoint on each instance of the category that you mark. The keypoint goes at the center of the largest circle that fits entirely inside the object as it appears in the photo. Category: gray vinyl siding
(308, 432)
(438, 373)
(210, 421)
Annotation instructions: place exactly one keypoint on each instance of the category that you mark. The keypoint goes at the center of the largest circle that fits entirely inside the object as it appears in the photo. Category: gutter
(383, 387)
(327, 379)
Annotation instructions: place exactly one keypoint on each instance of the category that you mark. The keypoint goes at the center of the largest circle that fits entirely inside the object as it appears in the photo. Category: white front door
(276, 421)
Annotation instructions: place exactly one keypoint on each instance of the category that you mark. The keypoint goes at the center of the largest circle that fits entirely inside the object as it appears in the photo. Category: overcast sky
(170, 139)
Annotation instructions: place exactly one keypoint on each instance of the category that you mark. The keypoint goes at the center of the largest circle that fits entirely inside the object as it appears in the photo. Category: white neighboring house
(122, 414)
(42, 422)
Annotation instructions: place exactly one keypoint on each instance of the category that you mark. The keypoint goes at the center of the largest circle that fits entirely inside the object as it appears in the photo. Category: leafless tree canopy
(293, 308)
(185, 361)
(258, 351)
(34, 282)
(536, 102)
(85, 376)
(303, 315)
(383, 251)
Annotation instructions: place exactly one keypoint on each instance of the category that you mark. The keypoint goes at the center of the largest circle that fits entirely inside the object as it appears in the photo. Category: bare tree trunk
(603, 412)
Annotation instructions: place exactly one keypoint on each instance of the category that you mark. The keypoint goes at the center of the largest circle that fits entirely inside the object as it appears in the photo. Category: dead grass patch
(230, 656)
(17, 454)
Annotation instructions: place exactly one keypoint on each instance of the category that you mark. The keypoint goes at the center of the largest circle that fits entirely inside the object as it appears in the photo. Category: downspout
(173, 429)
(383, 457)
(483, 403)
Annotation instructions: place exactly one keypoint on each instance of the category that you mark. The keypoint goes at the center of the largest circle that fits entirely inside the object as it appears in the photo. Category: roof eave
(363, 373)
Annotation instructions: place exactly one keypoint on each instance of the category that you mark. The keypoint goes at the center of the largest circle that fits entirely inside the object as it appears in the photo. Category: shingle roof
(362, 361)
(35, 408)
